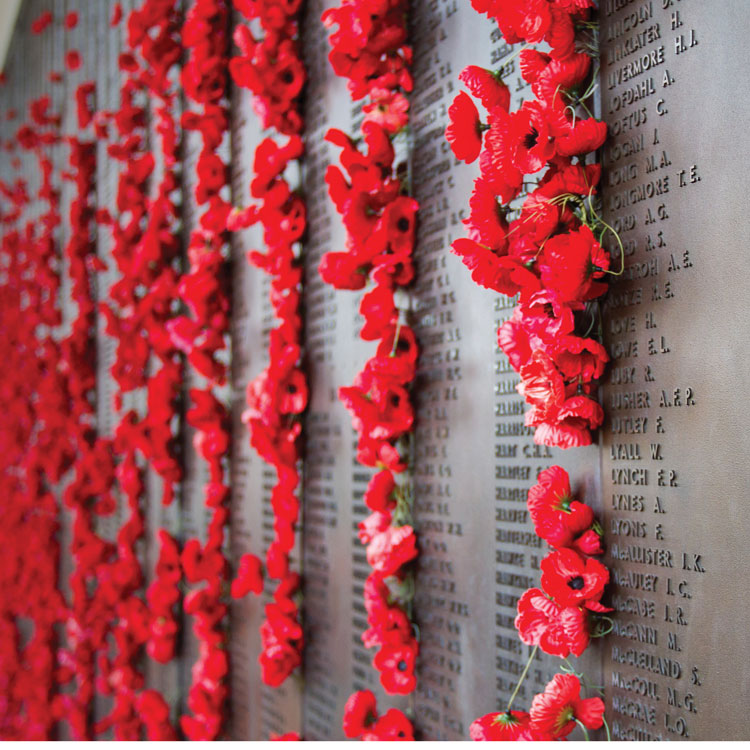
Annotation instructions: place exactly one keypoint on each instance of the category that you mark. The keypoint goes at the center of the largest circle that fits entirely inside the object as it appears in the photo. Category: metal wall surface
(669, 475)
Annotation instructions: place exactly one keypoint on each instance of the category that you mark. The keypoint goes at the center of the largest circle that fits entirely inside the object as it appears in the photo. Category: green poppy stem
(583, 727)
(522, 677)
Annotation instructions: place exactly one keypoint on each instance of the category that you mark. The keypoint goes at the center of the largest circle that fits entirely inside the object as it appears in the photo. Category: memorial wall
(667, 474)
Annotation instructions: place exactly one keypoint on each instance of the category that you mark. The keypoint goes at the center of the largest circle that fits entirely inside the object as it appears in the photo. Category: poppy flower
(589, 543)
(396, 666)
(277, 661)
(389, 109)
(579, 358)
(555, 711)
(485, 86)
(502, 273)
(392, 726)
(360, 712)
(73, 59)
(342, 271)
(505, 726)
(372, 525)
(518, 143)
(486, 223)
(541, 384)
(585, 136)
(41, 22)
(249, 577)
(571, 263)
(566, 425)
(547, 316)
(557, 630)
(557, 517)
(514, 340)
(71, 20)
(391, 548)
(376, 596)
(572, 580)
(379, 492)
(389, 625)
(464, 132)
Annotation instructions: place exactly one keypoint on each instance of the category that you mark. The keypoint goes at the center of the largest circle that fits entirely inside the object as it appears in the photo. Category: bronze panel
(675, 446)
(475, 458)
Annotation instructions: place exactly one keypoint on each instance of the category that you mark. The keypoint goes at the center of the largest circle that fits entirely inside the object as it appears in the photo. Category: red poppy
(392, 548)
(486, 223)
(505, 726)
(557, 630)
(571, 263)
(360, 713)
(392, 726)
(525, 138)
(579, 358)
(73, 59)
(555, 711)
(464, 132)
(389, 626)
(567, 425)
(585, 136)
(514, 340)
(41, 22)
(547, 316)
(278, 660)
(589, 543)
(396, 666)
(249, 577)
(342, 271)
(379, 493)
(71, 20)
(572, 580)
(504, 274)
(557, 517)
(372, 525)
(486, 86)
(389, 109)
(542, 385)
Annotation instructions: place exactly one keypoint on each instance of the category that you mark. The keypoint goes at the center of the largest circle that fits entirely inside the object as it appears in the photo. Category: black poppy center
(287, 76)
(402, 224)
(291, 388)
(401, 666)
(530, 140)
(549, 310)
(576, 583)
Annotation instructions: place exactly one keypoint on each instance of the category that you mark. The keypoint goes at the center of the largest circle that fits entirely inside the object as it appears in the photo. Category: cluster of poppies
(104, 574)
(542, 244)
(560, 617)
(94, 591)
(361, 720)
(107, 621)
(163, 597)
(35, 448)
(369, 49)
(204, 290)
(140, 306)
(272, 68)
